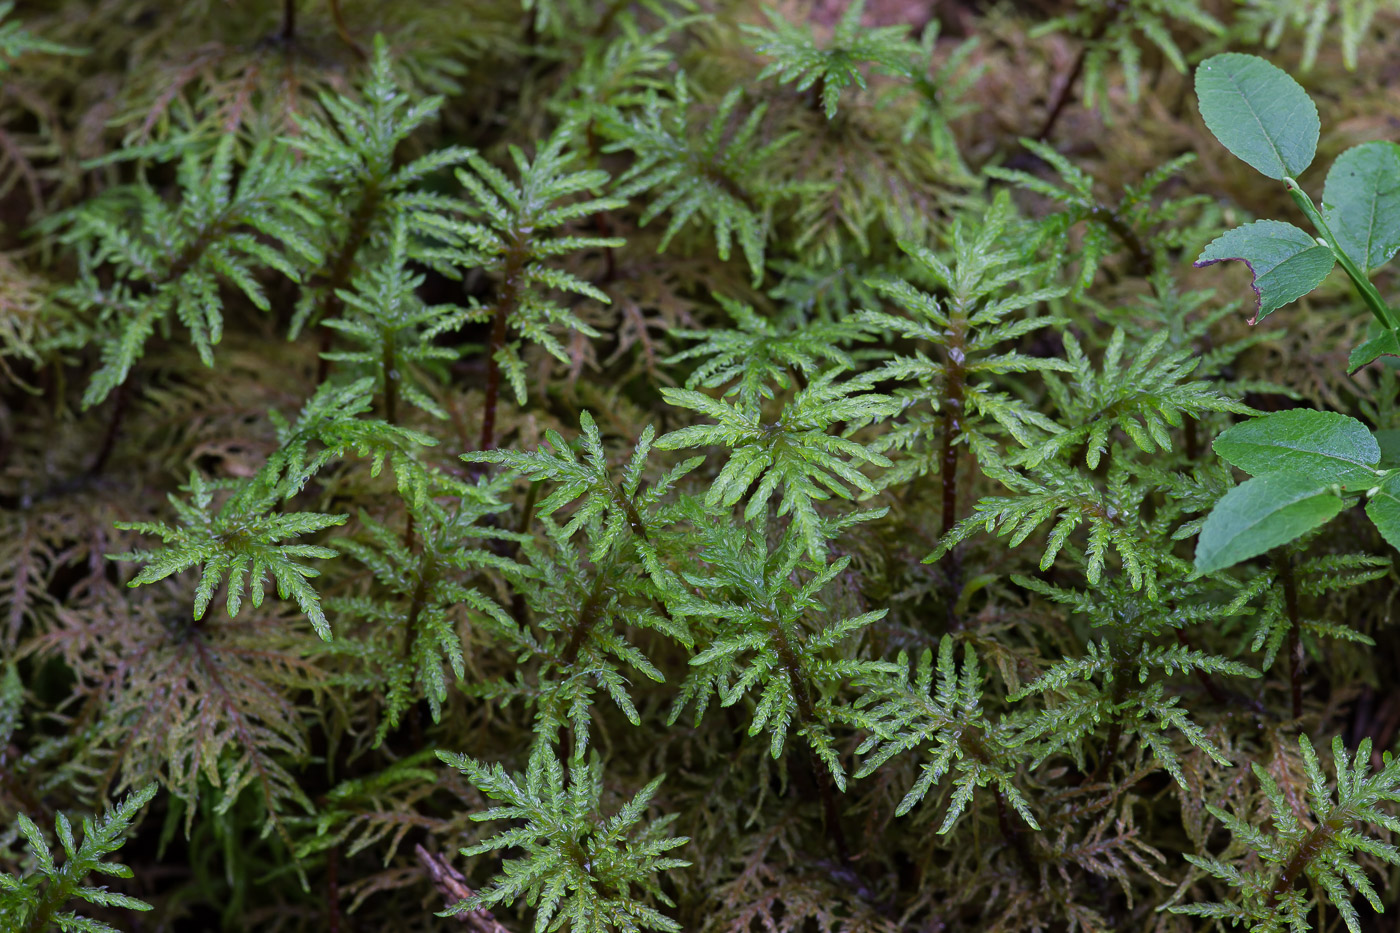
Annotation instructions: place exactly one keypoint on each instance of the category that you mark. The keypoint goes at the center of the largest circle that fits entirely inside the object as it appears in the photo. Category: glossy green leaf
(1324, 446)
(1384, 510)
(1259, 113)
(1361, 202)
(1285, 261)
(1389, 442)
(1260, 514)
(1379, 342)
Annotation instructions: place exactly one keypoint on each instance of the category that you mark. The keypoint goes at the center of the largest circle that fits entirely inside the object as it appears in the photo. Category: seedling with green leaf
(1306, 466)
(1266, 119)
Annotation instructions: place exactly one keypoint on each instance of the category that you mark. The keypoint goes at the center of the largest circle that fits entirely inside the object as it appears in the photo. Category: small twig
(344, 32)
(453, 886)
(109, 437)
(1106, 18)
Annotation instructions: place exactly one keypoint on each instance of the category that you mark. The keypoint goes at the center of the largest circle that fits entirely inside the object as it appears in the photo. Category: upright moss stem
(1284, 567)
(1107, 15)
(507, 299)
(1374, 302)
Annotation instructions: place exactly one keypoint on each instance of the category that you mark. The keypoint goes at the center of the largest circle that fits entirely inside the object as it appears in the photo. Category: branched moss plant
(949, 721)
(595, 874)
(1317, 845)
(974, 326)
(360, 193)
(795, 454)
(715, 172)
(510, 234)
(34, 903)
(579, 600)
(169, 261)
(1131, 222)
(828, 68)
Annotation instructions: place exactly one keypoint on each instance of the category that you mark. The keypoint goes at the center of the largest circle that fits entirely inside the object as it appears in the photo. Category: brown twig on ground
(453, 886)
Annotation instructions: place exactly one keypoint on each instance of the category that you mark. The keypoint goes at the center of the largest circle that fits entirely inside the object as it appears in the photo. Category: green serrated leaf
(1384, 510)
(1324, 446)
(1379, 342)
(1286, 263)
(1259, 113)
(1389, 442)
(1262, 513)
(1361, 202)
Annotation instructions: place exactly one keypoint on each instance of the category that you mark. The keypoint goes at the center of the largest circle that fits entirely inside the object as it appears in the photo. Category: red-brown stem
(333, 889)
(109, 436)
(1193, 443)
(954, 389)
(971, 742)
(1115, 730)
(507, 299)
(419, 599)
(807, 717)
(588, 616)
(344, 32)
(1110, 218)
(341, 268)
(1106, 18)
(391, 380)
(1313, 843)
(289, 20)
(1284, 565)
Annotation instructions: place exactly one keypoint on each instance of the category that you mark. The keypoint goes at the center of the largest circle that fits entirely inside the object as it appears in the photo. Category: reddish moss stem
(954, 402)
(1312, 845)
(1284, 564)
(807, 718)
(344, 32)
(343, 266)
(289, 20)
(1109, 13)
(507, 299)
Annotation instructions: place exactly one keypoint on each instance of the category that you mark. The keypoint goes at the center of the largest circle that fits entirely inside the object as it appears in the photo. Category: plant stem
(344, 32)
(1313, 843)
(588, 615)
(109, 436)
(971, 742)
(954, 387)
(1109, 217)
(506, 302)
(1284, 565)
(1115, 730)
(391, 378)
(1106, 17)
(807, 718)
(954, 401)
(289, 20)
(1374, 303)
(338, 274)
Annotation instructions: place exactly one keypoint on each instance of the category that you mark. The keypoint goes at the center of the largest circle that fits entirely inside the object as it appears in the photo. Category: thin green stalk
(1368, 291)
